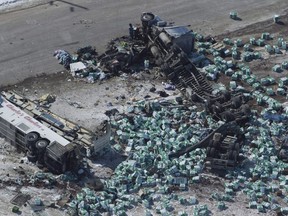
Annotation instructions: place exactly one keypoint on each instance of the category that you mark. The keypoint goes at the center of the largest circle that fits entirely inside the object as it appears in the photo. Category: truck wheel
(217, 109)
(226, 95)
(230, 155)
(236, 102)
(246, 109)
(208, 106)
(234, 155)
(32, 158)
(194, 98)
(212, 152)
(228, 116)
(41, 144)
(215, 144)
(237, 147)
(211, 143)
(146, 17)
(166, 69)
(208, 152)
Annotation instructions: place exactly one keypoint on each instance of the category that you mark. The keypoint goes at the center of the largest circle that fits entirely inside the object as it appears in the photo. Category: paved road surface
(29, 37)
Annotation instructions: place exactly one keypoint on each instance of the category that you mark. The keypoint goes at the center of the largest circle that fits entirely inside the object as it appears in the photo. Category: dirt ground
(30, 36)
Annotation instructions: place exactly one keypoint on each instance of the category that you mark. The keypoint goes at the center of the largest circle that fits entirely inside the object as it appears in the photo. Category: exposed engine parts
(171, 47)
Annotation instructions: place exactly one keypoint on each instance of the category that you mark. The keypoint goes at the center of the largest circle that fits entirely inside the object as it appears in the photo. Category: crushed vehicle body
(222, 146)
(47, 139)
(170, 46)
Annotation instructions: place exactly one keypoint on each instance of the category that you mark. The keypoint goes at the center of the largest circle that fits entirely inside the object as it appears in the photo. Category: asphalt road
(29, 37)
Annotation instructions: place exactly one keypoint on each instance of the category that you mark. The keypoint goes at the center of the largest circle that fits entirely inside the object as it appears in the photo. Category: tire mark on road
(15, 57)
(72, 43)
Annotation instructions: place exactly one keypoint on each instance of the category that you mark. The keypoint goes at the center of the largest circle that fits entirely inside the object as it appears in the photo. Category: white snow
(9, 4)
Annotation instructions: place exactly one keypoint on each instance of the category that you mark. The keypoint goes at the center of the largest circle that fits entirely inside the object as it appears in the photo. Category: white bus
(41, 144)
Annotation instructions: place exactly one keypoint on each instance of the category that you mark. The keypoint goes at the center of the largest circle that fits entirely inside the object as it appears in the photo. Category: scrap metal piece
(20, 199)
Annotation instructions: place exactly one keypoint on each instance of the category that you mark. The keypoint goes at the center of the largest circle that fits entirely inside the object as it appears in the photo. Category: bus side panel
(12, 134)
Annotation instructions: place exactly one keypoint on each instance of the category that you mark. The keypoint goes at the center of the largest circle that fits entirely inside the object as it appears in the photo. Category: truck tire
(237, 147)
(195, 98)
(166, 69)
(208, 152)
(208, 106)
(41, 144)
(226, 95)
(236, 102)
(228, 116)
(246, 109)
(211, 143)
(31, 157)
(215, 144)
(217, 108)
(230, 155)
(212, 152)
(234, 155)
(146, 17)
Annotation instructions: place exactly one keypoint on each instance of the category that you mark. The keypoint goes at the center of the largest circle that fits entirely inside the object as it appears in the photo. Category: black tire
(41, 144)
(194, 98)
(234, 155)
(166, 69)
(146, 17)
(215, 144)
(212, 152)
(237, 147)
(217, 109)
(226, 95)
(208, 106)
(31, 138)
(236, 102)
(31, 157)
(230, 155)
(211, 143)
(228, 116)
(39, 165)
(246, 109)
(208, 152)
(232, 146)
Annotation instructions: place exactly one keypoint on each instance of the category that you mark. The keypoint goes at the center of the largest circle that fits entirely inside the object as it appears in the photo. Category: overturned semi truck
(171, 47)
(45, 138)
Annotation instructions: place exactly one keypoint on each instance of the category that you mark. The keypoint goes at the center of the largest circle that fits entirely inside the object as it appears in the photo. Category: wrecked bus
(41, 144)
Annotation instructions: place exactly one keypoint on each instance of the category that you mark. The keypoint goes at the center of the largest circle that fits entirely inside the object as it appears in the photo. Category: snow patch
(9, 4)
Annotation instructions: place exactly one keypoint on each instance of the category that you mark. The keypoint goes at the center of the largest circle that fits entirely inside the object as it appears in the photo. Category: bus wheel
(41, 144)
(32, 158)
(39, 165)
(31, 138)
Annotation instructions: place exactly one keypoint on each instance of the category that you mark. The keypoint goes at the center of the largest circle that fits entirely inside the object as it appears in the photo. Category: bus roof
(25, 123)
